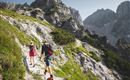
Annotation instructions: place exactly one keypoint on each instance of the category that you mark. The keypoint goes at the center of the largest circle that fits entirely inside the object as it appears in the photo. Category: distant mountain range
(113, 25)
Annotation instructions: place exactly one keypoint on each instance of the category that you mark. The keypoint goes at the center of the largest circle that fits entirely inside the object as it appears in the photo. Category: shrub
(95, 57)
(114, 61)
(62, 37)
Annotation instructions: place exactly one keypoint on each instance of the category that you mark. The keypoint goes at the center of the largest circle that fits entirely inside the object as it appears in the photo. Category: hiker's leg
(49, 69)
(46, 67)
(41, 56)
(30, 61)
(33, 60)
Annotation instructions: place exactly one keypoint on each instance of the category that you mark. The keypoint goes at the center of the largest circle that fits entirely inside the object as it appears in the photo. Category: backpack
(50, 52)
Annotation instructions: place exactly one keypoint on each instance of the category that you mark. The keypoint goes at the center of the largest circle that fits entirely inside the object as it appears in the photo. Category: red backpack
(50, 52)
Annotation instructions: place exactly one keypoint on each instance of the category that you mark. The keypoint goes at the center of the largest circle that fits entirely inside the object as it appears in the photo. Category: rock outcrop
(97, 68)
(59, 14)
(7, 5)
(76, 16)
(123, 10)
(54, 11)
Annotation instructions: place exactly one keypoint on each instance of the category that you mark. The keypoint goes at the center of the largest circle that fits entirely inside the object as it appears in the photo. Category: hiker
(50, 78)
(32, 53)
(47, 50)
(43, 49)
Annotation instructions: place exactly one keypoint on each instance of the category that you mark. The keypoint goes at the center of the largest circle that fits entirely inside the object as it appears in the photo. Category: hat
(31, 43)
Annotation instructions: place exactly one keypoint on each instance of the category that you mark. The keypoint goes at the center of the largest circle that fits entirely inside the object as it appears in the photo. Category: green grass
(17, 16)
(56, 52)
(36, 77)
(76, 49)
(24, 39)
(11, 64)
(71, 70)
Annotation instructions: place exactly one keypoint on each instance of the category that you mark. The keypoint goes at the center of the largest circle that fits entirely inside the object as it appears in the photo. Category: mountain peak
(123, 9)
(101, 16)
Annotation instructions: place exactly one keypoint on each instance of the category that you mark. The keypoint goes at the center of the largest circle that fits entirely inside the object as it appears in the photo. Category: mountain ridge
(115, 21)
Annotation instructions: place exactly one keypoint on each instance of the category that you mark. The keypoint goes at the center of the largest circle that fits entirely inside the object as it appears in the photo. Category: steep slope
(114, 58)
(11, 66)
(70, 67)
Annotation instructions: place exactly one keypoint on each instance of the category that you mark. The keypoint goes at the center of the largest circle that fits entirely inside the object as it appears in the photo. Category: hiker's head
(59, 47)
(31, 43)
(44, 41)
(51, 76)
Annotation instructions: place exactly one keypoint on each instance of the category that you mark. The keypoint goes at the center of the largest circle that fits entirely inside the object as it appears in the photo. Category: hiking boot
(34, 65)
(45, 72)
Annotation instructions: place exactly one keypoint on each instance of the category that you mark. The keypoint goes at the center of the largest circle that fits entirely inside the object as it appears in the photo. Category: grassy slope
(10, 58)
(71, 70)
(11, 66)
(23, 17)
(7, 44)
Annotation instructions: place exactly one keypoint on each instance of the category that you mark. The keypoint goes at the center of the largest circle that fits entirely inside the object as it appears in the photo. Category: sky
(85, 7)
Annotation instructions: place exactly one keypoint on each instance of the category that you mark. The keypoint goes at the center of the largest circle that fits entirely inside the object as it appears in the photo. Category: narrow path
(39, 69)
(39, 65)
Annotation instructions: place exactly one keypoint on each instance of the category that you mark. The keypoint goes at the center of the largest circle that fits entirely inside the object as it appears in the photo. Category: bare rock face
(99, 69)
(37, 13)
(7, 5)
(123, 10)
(121, 27)
(59, 14)
(76, 16)
(44, 4)
(101, 23)
(100, 18)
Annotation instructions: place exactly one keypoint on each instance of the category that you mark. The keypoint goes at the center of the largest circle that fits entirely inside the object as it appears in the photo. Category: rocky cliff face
(100, 18)
(121, 27)
(110, 24)
(59, 14)
(76, 16)
(7, 5)
(123, 10)
(101, 23)
(54, 11)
